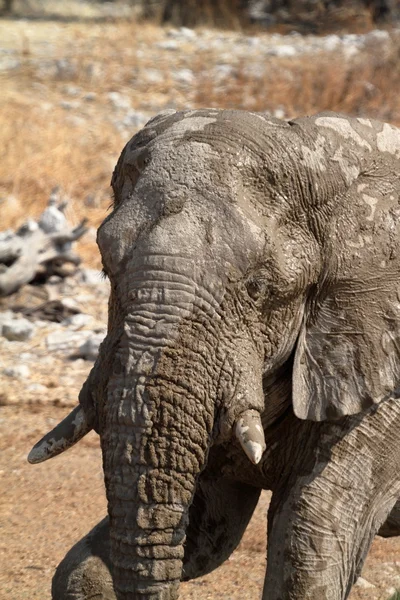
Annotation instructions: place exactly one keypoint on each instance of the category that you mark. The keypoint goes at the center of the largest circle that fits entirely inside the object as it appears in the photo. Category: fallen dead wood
(39, 249)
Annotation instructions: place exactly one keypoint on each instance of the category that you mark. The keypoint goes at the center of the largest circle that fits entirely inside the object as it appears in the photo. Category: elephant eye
(254, 288)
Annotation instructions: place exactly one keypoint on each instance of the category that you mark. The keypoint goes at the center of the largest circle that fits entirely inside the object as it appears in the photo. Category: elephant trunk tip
(149, 579)
(150, 591)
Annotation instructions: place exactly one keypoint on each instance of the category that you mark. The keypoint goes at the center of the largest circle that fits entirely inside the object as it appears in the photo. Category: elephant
(252, 343)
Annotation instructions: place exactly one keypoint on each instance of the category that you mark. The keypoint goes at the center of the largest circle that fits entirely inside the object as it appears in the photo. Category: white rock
(253, 41)
(52, 219)
(90, 96)
(363, 583)
(391, 591)
(119, 101)
(5, 317)
(70, 303)
(90, 349)
(284, 51)
(353, 38)
(168, 45)
(279, 113)
(182, 33)
(75, 322)
(135, 119)
(331, 42)
(222, 71)
(8, 63)
(17, 372)
(75, 120)
(66, 341)
(188, 33)
(37, 387)
(77, 364)
(72, 90)
(18, 330)
(54, 280)
(185, 76)
(131, 121)
(89, 276)
(8, 234)
(65, 69)
(153, 76)
(69, 104)
(378, 34)
(45, 324)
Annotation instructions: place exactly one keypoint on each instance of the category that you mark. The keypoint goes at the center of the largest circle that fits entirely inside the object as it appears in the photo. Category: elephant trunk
(156, 428)
(150, 473)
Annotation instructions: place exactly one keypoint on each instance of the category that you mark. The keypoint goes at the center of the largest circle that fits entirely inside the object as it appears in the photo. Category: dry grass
(44, 143)
(366, 85)
(40, 151)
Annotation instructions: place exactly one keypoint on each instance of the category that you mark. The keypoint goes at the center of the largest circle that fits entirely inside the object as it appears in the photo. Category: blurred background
(78, 78)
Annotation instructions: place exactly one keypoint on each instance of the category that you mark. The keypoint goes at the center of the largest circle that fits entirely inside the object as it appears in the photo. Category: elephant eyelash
(254, 289)
(103, 274)
(113, 202)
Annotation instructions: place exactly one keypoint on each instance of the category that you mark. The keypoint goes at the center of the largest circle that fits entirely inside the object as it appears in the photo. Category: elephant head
(237, 243)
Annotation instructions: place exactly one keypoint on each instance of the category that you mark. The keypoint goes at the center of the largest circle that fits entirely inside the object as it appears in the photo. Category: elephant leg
(218, 517)
(391, 526)
(84, 572)
(340, 485)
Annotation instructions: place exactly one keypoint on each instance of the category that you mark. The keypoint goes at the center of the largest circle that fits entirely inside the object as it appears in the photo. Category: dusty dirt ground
(46, 508)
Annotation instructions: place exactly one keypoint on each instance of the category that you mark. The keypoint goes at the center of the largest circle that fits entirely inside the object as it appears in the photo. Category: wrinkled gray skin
(254, 264)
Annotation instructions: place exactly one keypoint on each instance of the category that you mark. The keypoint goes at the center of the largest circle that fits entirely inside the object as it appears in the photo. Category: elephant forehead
(192, 121)
(388, 140)
(216, 239)
(315, 157)
(344, 128)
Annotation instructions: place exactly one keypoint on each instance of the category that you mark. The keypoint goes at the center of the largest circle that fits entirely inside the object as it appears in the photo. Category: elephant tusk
(67, 433)
(250, 434)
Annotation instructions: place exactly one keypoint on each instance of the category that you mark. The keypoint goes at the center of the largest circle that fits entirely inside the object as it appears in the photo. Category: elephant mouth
(246, 426)
(248, 430)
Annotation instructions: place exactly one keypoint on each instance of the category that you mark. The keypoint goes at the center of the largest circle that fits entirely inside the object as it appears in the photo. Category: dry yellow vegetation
(52, 136)
(367, 85)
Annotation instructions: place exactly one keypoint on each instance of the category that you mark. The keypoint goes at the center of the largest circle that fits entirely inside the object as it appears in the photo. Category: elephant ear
(348, 353)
